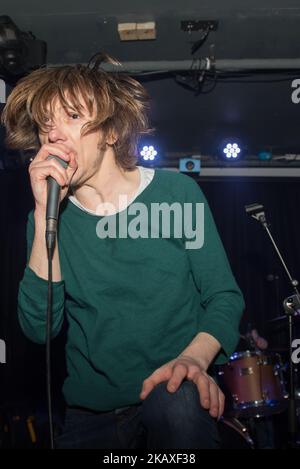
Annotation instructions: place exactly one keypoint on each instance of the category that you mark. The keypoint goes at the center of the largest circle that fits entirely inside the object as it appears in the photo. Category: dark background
(255, 107)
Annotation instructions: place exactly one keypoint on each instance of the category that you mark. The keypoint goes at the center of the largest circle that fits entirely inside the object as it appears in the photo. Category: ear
(111, 138)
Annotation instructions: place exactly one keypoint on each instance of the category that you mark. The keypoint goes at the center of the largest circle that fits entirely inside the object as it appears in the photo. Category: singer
(147, 316)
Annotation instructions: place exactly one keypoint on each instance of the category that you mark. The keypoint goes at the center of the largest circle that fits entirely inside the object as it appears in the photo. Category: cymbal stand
(290, 305)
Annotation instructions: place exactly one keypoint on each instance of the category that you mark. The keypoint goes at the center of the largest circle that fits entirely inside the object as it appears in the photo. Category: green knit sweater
(132, 303)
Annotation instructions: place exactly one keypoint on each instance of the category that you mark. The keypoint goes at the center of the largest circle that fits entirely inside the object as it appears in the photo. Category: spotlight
(148, 153)
(232, 150)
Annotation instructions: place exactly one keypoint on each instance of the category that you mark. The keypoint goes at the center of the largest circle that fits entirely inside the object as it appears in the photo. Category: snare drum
(234, 435)
(253, 384)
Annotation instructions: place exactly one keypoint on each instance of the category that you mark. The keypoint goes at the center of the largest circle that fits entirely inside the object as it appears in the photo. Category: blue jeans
(162, 421)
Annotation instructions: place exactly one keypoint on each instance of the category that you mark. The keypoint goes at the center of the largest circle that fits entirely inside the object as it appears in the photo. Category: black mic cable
(52, 208)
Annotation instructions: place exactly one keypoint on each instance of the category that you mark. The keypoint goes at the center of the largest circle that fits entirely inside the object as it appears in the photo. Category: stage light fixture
(189, 165)
(20, 52)
(232, 150)
(148, 153)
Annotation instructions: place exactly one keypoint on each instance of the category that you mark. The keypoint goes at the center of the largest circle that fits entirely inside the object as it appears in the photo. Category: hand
(261, 343)
(184, 367)
(41, 168)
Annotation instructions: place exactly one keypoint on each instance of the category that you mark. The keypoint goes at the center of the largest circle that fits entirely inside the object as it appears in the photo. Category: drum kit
(256, 384)
(254, 381)
(254, 387)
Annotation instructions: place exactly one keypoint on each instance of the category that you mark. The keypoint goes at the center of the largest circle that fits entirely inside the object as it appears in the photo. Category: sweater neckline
(140, 197)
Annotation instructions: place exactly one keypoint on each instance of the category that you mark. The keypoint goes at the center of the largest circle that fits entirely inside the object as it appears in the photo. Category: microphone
(52, 208)
(257, 211)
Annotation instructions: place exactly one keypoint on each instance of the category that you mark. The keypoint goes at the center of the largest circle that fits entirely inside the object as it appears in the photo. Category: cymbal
(279, 318)
(282, 318)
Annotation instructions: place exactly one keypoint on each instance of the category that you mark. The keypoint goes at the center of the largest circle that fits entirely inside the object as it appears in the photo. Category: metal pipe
(203, 64)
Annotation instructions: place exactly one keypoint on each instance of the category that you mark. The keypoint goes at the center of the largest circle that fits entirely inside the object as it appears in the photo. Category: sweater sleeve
(221, 299)
(32, 299)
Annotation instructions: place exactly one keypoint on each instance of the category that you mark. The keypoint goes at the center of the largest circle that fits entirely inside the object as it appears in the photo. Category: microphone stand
(290, 307)
(290, 310)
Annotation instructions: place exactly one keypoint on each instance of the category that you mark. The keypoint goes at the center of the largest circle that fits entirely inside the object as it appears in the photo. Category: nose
(56, 134)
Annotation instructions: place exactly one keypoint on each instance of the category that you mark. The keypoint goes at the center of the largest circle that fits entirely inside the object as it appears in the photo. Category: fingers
(42, 166)
(161, 374)
(61, 150)
(214, 399)
(72, 166)
(180, 371)
(211, 397)
(41, 170)
(221, 404)
(202, 382)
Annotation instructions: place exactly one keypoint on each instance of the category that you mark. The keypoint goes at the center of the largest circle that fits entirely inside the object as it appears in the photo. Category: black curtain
(253, 260)
(23, 376)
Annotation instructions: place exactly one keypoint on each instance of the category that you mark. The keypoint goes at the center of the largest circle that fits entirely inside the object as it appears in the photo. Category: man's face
(65, 128)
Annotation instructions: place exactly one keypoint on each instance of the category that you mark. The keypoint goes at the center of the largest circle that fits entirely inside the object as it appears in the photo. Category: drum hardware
(253, 384)
(283, 319)
(291, 307)
(246, 371)
(234, 434)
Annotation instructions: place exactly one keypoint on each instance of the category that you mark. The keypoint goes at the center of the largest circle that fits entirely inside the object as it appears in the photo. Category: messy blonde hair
(120, 102)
